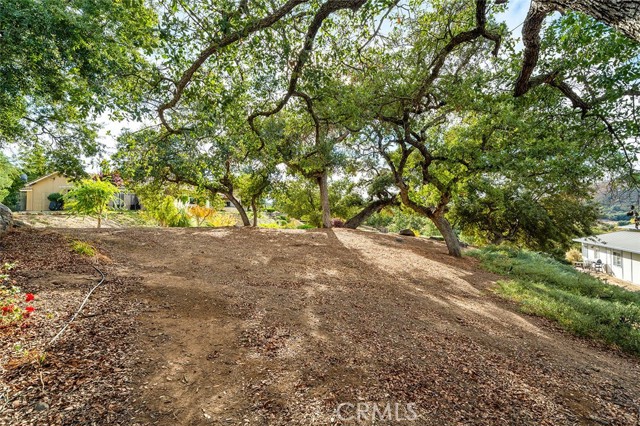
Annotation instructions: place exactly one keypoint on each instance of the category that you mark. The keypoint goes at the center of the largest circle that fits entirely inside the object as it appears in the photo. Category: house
(124, 200)
(228, 204)
(33, 196)
(619, 252)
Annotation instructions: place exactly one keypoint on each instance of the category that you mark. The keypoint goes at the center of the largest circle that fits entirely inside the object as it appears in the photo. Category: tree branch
(323, 13)
(215, 47)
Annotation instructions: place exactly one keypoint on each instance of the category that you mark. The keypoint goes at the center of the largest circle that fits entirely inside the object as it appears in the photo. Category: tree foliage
(8, 173)
(91, 197)
(65, 62)
(341, 108)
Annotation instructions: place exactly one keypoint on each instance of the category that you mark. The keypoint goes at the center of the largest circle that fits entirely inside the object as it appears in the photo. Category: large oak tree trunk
(370, 209)
(240, 208)
(255, 212)
(450, 237)
(323, 184)
(623, 15)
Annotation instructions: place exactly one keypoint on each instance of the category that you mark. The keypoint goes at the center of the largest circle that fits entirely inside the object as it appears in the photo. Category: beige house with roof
(34, 194)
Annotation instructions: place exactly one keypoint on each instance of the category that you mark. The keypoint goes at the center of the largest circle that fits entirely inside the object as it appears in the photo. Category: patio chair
(599, 266)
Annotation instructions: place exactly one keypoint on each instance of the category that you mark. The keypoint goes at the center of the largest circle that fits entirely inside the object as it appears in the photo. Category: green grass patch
(580, 303)
(271, 225)
(131, 218)
(83, 248)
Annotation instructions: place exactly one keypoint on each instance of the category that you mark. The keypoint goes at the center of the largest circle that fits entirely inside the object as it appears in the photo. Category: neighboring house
(34, 194)
(228, 205)
(619, 252)
(125, 201)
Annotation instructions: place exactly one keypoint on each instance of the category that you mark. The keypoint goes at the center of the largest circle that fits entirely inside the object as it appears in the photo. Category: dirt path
(280, 327)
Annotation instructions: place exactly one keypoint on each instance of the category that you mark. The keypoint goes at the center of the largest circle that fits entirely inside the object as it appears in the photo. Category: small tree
(91, 198)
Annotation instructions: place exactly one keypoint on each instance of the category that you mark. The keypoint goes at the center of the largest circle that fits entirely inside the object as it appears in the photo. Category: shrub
(221, 219)
(313, 217)
(200, 213)
(182, 218)
(57, 201)
(56, 196)
(165, 212)
(15, 306)
(83, 248)
(574, 255)
(272, 225)
(305, 226)
(337, 223)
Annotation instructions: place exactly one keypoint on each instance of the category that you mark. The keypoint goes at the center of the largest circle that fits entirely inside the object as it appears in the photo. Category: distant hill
(616, 201)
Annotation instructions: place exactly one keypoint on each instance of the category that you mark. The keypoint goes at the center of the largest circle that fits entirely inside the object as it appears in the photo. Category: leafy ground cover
(579, 302)
(84, 376)
(234, 326)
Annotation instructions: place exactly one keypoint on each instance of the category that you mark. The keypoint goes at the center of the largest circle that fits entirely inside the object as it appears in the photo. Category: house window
(617, 259)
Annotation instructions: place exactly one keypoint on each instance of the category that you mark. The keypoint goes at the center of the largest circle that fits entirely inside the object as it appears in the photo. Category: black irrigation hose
(80, 308)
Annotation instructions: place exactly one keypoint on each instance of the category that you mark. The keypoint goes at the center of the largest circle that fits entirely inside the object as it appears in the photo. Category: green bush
(83, 248)
(166, 213)
(56, 196)
(396, 219)
(579, 302)
(272, 225)
(222, 219)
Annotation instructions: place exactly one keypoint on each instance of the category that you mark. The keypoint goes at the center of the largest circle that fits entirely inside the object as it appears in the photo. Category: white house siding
(616, 270)
(619, 252)
(124, 200)
(630, 269)
(588, 252)
(599, 253)
(627, 266)
(607, 259)
(635, 265)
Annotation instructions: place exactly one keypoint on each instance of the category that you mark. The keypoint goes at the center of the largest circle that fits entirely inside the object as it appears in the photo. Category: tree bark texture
(624, 15)
(240, 208)
(371, 208)
(323, 184)
(255, 212)
(450, 238)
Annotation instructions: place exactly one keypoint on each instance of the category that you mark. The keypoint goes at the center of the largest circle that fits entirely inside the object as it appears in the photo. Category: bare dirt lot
(266, 327)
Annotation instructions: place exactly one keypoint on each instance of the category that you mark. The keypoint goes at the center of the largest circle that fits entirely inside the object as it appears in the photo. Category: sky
(514, 17)
(515, 14)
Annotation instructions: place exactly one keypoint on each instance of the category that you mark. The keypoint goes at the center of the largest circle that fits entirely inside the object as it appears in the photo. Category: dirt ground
(66, 220)
(268, 327)
(609, 279)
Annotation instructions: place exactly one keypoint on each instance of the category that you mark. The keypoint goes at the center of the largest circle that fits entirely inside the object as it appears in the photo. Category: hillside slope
(250, 326)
